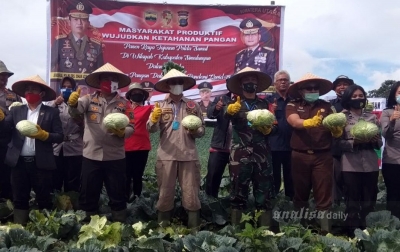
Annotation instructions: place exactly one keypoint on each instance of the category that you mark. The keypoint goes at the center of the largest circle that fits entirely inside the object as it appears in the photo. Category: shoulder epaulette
(95, 40)
(61, 36)
(269, 48)
(241, 51)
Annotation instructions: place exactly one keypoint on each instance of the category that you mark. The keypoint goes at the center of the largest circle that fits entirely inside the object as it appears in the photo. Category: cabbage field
(65, 230)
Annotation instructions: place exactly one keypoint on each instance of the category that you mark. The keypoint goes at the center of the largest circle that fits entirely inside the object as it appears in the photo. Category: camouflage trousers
(260, 174)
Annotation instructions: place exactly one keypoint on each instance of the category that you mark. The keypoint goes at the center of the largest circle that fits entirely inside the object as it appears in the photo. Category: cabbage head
(260, 117)
(116, 121)
(26, 128)
(191, 122)
(335, 120)
(364, 131)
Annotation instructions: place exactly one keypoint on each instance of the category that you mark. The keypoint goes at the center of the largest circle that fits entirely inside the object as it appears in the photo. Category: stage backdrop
(138, 38)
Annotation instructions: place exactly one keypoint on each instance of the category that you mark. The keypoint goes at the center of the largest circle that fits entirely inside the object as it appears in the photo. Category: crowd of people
(72, 150)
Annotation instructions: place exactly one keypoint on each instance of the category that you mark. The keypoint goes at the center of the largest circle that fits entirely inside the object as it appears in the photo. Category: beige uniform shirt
(73, 133)
(98, 144)
(177, 144)
(354, 159)
(391, 133)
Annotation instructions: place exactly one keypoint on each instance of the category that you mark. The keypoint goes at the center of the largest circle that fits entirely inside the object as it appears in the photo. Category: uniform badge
(191, 108)
(191, 105)
(121, 105)
(166, 117)
(95, 109)
(66, 44)
(68, 63)
(183, 18)
(93, 117)
(322, 110)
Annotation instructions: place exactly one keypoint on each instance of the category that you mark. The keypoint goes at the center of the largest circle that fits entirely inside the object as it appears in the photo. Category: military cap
(147, 85)
(79, 9)
(343, 78)
(250, 26)
(205, 85)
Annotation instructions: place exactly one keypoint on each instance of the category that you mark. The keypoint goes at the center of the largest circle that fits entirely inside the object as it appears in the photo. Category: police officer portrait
(76, 52)
(205, 89)
(255, 55)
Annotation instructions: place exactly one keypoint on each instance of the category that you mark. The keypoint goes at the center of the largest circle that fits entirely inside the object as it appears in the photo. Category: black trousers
(68, 172)
(360, 189)
(94, 174)
(135, 165)
(25, 176)
(217, 162)
(283, 159)
(391, 175)
(5, 176)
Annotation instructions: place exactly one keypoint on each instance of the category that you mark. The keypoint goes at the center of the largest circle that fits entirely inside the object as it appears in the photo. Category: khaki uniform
(312, 160)
(204, 108)
(7, 97)
(177, 155)
(98, 144)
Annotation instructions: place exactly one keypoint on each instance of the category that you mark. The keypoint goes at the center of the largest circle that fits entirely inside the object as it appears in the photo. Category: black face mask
(249, 87)
(357, 103)
(137, 97)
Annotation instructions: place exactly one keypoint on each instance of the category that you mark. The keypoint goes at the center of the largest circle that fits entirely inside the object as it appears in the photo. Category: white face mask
(176, 89)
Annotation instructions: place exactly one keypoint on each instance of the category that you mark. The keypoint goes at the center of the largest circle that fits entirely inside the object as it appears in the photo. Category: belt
(71, 137)
(312, 151)
(27, 159)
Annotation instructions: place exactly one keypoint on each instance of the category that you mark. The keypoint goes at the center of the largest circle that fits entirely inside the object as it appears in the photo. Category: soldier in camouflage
(250, 158)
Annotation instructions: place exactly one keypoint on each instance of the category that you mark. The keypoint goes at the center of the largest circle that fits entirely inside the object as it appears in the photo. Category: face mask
(32, 98)
(137, 97)
(108, 87)
(66, 92)
(249, 87)
(398, 99)
(176, 89)
(357, 103)
(311, 97)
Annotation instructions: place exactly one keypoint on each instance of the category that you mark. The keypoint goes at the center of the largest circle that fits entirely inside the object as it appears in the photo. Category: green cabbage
(116, 121)
(15, 104)
(335, 120)
(191, 122)
(26, 128)
(260, 117)
(364, 131)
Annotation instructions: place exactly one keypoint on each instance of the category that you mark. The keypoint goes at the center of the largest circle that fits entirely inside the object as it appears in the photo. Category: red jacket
(140, 139)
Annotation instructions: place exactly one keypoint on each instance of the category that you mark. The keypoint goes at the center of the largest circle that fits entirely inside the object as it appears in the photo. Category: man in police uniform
(7, 97)
(149, 87)
(205, 94)
(254, 56)
(76, 52)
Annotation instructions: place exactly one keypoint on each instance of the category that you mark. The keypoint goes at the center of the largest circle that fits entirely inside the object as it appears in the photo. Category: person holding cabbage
(359, 161)
(250, 156)
(312, 161)
(391, 153)
(180, 121)
(106, 127)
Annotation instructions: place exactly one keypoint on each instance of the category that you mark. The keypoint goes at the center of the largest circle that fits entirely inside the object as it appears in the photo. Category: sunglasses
(311, 88)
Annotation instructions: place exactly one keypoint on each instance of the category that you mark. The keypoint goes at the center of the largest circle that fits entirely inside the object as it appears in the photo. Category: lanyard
(176, 110)
(250, 108)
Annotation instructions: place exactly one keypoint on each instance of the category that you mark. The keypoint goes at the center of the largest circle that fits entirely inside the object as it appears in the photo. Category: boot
(119, 216)
(326, 225)
(236, 215)
(193, 219)
(164, 218)
(266, 220)
(21, 216)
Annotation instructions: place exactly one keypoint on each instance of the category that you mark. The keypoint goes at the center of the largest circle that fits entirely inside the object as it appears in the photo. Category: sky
(358, 38)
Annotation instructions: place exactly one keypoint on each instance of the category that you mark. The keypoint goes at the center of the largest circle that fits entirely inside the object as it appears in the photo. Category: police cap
(250, 26)
(147, 85)
(205, 85)
(79, 9)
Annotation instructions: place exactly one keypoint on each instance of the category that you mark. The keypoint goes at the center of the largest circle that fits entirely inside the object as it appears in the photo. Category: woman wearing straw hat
(103, 150)
(7, 97)
(250, 158)
(31, 158)
(177, 153)
(137, 147)
(311, 144)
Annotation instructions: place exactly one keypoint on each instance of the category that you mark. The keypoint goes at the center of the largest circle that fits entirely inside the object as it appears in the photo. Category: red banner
(211, 42)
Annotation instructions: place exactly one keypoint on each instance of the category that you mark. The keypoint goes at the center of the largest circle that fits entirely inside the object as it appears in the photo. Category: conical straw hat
(162, 85)
(136, 85)
(324, 85)
(19, 87)
(93, 78)
(235, 86)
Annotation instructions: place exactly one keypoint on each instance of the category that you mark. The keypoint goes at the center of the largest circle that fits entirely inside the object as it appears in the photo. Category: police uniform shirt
(69, 55)
(316, 138)
(7, 97)
(261, 59)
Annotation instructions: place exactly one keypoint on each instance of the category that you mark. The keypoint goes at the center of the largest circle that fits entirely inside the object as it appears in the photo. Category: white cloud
(378, 77)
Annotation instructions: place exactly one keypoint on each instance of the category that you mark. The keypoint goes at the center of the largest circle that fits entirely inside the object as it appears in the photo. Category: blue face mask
(311, 97)
(66, 92)
(398, 99)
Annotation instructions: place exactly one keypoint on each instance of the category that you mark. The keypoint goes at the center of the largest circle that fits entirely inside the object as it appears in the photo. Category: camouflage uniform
(250, 160)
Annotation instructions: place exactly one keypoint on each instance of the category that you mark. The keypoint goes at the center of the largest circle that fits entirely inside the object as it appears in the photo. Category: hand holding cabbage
(191, 123)
(262, 120)
(335, 123)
